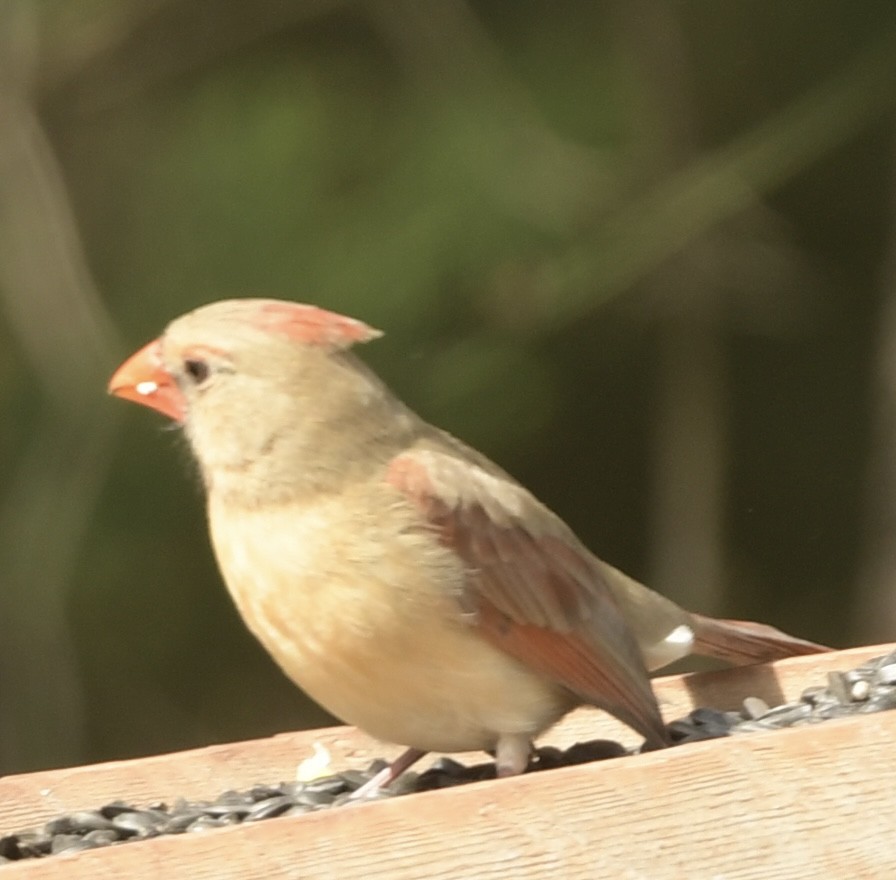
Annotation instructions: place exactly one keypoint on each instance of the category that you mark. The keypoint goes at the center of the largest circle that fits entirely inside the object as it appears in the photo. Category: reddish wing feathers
(313, 325)
(535, 595)
(533, 581)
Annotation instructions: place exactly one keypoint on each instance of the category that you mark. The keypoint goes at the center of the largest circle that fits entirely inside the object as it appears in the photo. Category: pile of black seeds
(869, 688)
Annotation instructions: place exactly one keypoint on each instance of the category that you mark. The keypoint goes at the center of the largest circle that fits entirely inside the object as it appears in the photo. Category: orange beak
(145, 380)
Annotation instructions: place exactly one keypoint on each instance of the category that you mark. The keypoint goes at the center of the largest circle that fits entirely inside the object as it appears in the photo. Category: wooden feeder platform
(806, 802)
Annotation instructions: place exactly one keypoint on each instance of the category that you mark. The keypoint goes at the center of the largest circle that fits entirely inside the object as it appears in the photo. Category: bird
(403, 580)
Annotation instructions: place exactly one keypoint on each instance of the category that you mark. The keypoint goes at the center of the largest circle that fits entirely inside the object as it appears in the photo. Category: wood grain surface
(802, 803)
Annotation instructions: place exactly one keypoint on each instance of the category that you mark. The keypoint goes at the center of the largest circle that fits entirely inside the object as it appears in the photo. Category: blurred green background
(641, 252)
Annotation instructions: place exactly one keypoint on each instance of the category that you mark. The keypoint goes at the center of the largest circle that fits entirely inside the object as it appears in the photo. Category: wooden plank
(33, 798)
(800, 803)
(763, 779)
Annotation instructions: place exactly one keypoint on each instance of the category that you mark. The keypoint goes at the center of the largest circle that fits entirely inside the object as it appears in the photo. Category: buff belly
(372, 630)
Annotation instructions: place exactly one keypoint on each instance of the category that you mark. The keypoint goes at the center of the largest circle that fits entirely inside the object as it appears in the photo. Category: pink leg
(390, 774)
(512, 754)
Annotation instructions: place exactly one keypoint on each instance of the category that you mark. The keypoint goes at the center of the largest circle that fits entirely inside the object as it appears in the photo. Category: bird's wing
(531, 588)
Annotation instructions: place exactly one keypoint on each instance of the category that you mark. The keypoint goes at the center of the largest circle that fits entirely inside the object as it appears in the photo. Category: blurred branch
(689, 438)
(70, 44)
(875, 614)
(636, 240)
(58, 320)
(148, 47)
(492, 127)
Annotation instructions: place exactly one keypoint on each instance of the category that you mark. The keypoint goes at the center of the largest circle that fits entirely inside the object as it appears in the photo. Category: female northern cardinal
(402, 579)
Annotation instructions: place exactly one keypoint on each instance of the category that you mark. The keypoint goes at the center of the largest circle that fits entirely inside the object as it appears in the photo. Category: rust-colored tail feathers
(743, 643)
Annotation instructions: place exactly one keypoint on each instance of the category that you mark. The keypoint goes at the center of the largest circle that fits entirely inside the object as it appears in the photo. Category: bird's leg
(388, 775)
(512, 754)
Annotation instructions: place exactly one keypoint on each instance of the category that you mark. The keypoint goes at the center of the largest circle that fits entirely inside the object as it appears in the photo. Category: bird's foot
(388, 775)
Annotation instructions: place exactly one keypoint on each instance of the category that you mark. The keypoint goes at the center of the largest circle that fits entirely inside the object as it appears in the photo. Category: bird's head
(256, 383)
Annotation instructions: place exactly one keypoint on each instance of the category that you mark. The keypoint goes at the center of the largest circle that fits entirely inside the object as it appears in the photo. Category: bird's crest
(312, 325)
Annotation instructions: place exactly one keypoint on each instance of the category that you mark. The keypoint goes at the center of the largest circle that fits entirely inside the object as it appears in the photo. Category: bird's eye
(197, 370)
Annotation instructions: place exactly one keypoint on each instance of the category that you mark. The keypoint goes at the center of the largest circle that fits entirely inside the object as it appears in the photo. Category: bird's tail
(742, 642)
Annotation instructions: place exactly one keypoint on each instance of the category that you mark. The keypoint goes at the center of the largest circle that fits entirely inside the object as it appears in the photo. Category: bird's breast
(362, 613)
